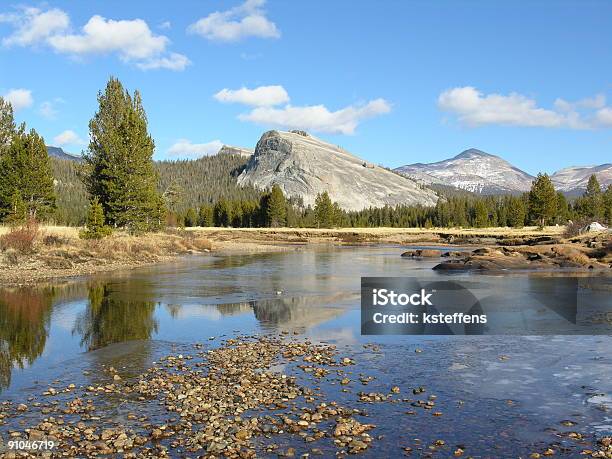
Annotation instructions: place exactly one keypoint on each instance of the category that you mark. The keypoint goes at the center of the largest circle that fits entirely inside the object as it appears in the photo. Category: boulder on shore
(593, 227)
(422, 253)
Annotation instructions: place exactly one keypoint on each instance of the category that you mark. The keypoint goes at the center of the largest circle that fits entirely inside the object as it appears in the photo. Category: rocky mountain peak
(303, 166)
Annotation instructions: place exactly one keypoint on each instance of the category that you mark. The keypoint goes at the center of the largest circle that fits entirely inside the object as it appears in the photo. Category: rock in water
(304, 166)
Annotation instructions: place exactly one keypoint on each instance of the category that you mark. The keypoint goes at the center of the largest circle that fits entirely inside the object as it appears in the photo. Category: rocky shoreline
(586, 254)
(247, 397)
(62, 255)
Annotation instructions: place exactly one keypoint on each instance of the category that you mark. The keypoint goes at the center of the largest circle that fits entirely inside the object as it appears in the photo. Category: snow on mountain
(575, 179)
(472, 170)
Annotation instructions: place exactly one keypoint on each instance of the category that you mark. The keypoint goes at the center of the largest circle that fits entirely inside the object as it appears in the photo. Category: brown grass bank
(57, 252)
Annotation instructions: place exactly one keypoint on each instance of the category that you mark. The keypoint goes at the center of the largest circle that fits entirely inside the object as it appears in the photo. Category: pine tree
(323, 211)
(593, 199)
(222, 213)
(607, 205)
(25, 169)
(276, 212)
(119, 168)
(191, 218)
(542, 200)
(205, 216)
(7, 125)
(517, 212)
(95, 226)
(481, 215)
(562, 214)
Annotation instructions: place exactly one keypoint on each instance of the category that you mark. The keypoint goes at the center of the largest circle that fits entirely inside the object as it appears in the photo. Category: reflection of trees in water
(24, 326)
(110, 319)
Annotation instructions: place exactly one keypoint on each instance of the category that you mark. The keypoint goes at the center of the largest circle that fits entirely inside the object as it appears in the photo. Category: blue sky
(394, 82)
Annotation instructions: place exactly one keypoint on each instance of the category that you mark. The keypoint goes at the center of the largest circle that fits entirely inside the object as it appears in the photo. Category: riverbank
(57, 252)
(259, 238)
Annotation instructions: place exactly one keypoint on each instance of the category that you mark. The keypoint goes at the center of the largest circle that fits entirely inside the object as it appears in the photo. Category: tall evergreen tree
(26, 178)
(222, 213)
(191, 218)
(118, 166)
(593, 199)
(517, 212)
(481, 217)
(7, 124)
(205, 216)
(276, 212)
(607, 204)
(324, 214)
(542, 200)
(562, 209)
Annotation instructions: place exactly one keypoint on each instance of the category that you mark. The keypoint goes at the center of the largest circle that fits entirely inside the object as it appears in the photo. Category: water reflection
(24, 326)
(307, 291)
(110, 318)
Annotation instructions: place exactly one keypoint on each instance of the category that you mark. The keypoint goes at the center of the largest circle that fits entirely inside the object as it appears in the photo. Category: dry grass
(572, 254)
(495, 231)
(58, 252)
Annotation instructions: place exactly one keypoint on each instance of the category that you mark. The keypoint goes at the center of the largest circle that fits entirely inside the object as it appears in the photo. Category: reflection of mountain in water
(299, 312)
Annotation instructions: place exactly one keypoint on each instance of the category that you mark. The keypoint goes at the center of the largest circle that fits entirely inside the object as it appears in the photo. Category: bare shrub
(11, 256)
(21, 238)
(572, 229)
(54, 240)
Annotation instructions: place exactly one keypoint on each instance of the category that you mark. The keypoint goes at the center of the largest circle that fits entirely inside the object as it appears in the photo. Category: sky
(394, 82)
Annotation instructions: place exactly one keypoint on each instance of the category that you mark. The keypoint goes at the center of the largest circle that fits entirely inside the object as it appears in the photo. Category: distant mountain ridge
(58, 152)
(304, 166)
(231, 150)
(483, 173)
(471, 170)
(575, 179)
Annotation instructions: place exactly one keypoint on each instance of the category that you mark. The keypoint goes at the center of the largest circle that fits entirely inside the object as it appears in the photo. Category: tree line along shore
(118, 188)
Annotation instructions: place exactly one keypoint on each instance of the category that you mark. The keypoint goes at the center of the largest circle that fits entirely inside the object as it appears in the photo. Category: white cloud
(68, 137)
(318, 117)
(258, 97)
(473, 109)
(33, 25)
(186, 148)
(313, 117)
(603, 117)
(48, 108)
(174, 61)
(19, 98)
(165, 25)
(246, 20)
(132, 40)
(595, 102)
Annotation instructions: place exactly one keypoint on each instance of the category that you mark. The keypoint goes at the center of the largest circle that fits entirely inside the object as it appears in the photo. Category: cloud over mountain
(473, 108)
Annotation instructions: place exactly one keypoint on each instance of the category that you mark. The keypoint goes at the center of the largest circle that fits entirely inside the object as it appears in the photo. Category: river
(498, 396)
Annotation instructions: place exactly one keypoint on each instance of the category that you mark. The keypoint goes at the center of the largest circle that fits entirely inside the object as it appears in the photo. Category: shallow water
(500, 395)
